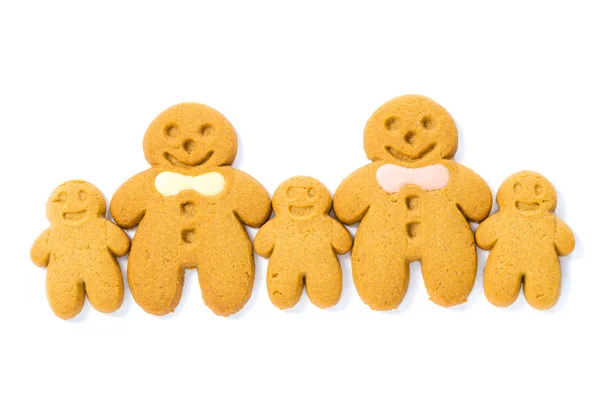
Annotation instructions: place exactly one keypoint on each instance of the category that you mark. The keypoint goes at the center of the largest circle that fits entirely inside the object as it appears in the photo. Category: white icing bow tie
(171, 183)
(392, 177)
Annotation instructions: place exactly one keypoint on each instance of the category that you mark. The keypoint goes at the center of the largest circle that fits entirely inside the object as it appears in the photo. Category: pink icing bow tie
(392, 177)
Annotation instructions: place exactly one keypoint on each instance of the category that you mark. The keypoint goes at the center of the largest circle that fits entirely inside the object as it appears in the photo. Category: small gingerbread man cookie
(525, 239)
(302, 242)
(79, 250)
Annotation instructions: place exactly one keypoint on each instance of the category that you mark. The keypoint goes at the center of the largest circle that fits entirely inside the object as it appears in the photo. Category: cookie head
(190, 135)
(528, 193)
(75, 202)
(410, 130)
(301, 197)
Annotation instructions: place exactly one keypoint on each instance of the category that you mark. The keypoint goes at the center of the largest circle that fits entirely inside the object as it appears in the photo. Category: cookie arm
(564, 238)
(352, 198)
(472, 194)
(40, 251)
(117, 240)
(128, 204)
(264, 242)
(486, 234)
(341, 240)
(252, 203)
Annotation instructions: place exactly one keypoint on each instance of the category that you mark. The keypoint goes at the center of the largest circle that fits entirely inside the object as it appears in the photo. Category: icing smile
(176, 162)
(405, 157)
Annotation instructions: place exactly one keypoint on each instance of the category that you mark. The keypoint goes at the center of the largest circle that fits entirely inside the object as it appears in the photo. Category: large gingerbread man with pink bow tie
(190, 208)
(414, 203)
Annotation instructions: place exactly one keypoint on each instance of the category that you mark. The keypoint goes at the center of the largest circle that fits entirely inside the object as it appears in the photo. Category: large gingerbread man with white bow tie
(414, 203)
(191, 207)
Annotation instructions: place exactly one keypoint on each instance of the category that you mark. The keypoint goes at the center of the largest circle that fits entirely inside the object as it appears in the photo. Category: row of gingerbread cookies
(413, 201)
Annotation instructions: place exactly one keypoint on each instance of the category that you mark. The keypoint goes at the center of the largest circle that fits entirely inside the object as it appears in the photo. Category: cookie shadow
(459, 155)
(566, 265)
(239, 157)
(85, 311)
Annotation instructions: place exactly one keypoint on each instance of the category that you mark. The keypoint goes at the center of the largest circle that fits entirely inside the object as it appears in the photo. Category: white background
(79, 84)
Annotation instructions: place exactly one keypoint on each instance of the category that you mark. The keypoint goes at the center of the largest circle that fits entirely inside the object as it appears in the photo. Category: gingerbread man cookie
(525, 239)
(302, 242)
(191, 207)
(79, 250)
(413, 202)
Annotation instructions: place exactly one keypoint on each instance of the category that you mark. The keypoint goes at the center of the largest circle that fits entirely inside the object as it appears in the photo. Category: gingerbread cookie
(79, 250)
(413, 202)
(191, 207)
(525, 239)
(302, 242)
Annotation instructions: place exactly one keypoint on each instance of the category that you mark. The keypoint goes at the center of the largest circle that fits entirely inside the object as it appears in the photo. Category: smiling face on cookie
(410, 130)
(190, 135)
(74, 202)
(528, 193)
(302, 197)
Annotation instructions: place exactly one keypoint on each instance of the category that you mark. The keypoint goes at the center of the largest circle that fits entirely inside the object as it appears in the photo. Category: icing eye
(518, 188)
(392, 123)
(312, 192)
(427, 122)
(171, 131)
(82, 195)
(538, 190)
(61, 198)
(205, 130)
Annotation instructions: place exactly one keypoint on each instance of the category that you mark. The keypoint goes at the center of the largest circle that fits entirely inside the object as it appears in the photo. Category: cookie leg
(155, 276)
(501, 283)
(380, 273)
(449, 268)
(324, 285)
(541, 285)
(226, 272)
(66, 294)
(284, 284)
(104, 286)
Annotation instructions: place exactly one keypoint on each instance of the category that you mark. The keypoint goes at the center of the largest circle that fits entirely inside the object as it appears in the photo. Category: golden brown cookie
(191, 207)
(79, 250)
(302, 242)
(525, 239)
(413, 202)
